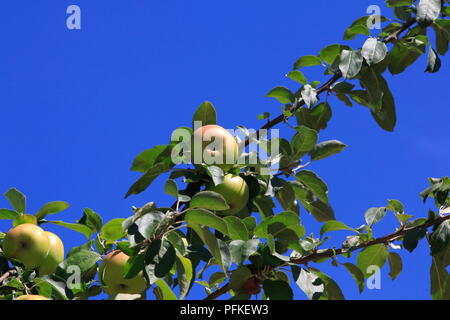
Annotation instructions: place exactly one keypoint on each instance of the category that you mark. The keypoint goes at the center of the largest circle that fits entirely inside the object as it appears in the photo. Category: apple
(111, 274)
(213, 145)
(31, 297)
(55, 255)
(235, 191)
(27, 243)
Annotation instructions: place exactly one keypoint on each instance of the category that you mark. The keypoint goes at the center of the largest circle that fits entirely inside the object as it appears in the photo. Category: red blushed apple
(213, 145)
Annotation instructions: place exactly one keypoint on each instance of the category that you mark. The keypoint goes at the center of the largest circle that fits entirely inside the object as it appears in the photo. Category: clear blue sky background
(78, 106)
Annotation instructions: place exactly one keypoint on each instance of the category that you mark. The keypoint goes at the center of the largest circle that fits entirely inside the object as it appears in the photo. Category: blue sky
(78, 105)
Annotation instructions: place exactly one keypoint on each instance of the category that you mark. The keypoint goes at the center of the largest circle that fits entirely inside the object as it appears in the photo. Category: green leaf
(24, 218)
(149, 158)
(321, 211)
(150, 224)
(286, 196)
(236, 228)
(238, 277)
(304, 140)
(209, 200)
(282, 94)
(163, 292)
(334, 225)
(214, 245)
(440, 238)
(350, 63)
(145, 180)
(265, 205)
(206, 218)
(84, 259)
(395, 206)
(171, 188)
(216, 278)
(405, 54)
(331, 288)
(315, 118)
(307, 61)
(386, 117)
(359, 26)
(81, 228)
(374, 255)
(206, 114)
(395, 265)
(370, 81)
(17, 199)
(241, 250)
(309, 95)
(357, 274)
(374, 51)
(92, 220)
(434, 62)
(277, 290)
(6, 214)
(411, 239)
(297, 76)
(284, 224)
(59, 287)
(51, 208)
(216, 174)
(442, 30)
(399, 3)
(330, 53)
(374, 215)
(342, 87)
(112, 230)
(440, 278)
(185, 274)
(326, 149)
(428, 11)
(314, 183)
(166, 261)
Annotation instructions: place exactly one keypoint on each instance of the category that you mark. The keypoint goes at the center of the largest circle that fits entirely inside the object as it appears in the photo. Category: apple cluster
(223, 153)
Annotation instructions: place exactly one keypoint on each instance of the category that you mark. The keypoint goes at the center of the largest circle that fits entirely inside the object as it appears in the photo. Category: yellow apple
(235, 191)
(31, 297)
(111, 274)
(55, 255)
(27, 243)
(213, 145)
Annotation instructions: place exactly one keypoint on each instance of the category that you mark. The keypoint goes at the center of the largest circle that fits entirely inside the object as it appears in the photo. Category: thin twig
(7, 274)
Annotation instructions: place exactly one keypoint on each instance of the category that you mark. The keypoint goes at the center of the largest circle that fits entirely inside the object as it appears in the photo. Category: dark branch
(383, 240)
(219, 292)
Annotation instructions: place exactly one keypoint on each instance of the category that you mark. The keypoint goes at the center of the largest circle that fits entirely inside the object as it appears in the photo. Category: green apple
(27, 243)
(31, 297)
(213, 145)
(55, 255)
(235, 191)
(111, 273)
